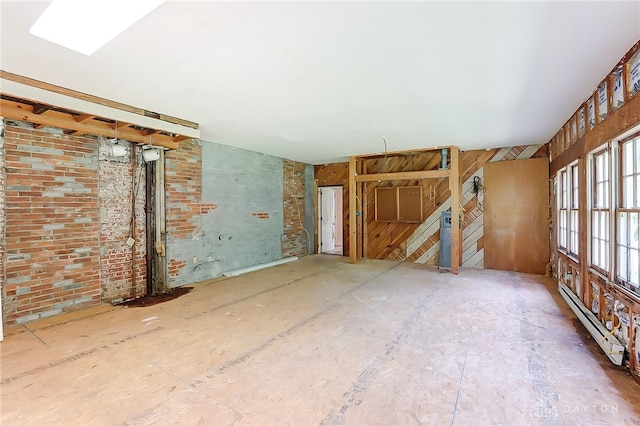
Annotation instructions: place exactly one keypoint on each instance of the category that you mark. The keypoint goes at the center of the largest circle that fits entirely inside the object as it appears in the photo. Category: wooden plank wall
(419, 243)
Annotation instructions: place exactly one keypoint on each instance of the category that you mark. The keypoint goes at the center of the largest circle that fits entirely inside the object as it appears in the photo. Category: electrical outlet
(194, 260)
(130, 242)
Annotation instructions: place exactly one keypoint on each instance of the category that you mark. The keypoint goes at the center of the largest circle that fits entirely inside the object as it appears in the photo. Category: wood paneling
(419, 242)
(515, 219)
(337, 174)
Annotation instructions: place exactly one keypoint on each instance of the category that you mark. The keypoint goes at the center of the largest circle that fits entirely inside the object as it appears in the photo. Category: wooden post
(583, 232)
(632, 343)
(454, 187)
(353, 237)
(365, 212)
(316, 248)
(359, 218)
(626, 82)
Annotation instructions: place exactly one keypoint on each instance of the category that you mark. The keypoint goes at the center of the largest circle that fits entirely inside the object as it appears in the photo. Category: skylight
(87, 25)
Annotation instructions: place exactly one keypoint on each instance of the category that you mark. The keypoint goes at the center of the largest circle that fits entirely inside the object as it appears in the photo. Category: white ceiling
(320, 81)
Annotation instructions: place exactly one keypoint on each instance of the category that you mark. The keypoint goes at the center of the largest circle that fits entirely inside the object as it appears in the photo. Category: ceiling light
(87, 25)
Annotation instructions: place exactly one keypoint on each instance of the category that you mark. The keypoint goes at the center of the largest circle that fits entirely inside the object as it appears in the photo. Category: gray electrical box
(445, 240)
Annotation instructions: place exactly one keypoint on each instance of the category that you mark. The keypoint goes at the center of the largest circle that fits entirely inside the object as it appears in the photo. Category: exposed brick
(294, 239)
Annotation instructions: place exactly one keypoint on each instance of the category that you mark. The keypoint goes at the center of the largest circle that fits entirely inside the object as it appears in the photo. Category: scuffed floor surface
(321, 341)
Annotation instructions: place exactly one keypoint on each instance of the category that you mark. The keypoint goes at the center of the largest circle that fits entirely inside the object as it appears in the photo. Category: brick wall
(115, 190)
(52, 259)
(2, 209)
(294, 237)
(183, 189)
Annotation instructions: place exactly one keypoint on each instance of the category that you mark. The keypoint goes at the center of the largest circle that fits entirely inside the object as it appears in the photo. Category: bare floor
(320, 341)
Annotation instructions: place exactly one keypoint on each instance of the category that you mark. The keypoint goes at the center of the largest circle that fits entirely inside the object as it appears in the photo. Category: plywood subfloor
(321, 341)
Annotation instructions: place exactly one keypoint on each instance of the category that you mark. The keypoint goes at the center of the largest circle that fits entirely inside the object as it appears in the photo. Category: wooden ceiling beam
(94, 99)
(23, 112)
(83, 117)
(40, 108)
(178, 139)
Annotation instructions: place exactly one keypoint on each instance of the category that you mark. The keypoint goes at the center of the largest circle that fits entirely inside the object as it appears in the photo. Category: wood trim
(24, 112)
(421, 174)
(583, 229)
(568, 156)
(95, 99)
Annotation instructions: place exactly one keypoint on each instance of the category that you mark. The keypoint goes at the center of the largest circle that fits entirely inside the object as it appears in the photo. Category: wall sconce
(117, 150)
(150, 154)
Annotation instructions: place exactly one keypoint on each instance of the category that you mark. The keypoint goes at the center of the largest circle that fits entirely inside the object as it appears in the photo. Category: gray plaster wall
(241, 183)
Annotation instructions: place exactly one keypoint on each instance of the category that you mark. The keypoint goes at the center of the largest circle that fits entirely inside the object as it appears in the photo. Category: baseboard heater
(609, 344)
(240, 271)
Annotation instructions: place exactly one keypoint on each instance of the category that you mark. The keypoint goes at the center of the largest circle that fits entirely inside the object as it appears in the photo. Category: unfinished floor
(321, 341)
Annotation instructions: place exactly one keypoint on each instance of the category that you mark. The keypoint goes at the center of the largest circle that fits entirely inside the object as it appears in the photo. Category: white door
(327, 219)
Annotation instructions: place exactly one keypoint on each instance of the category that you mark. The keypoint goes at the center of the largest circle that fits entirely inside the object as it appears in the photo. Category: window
(563, 204)
(628, 213)
(600, 211)
(574, 237)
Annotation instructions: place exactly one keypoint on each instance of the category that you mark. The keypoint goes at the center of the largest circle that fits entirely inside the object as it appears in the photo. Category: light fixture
(87, 25)
(117, 150)
(150, 154)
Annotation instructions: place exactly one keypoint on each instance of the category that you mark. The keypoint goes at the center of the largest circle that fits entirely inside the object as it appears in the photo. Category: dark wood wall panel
(515, 215)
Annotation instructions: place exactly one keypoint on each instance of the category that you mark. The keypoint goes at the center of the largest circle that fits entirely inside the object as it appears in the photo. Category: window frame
(563, 214)
(600, 211)
(574, 211)
(627, 246)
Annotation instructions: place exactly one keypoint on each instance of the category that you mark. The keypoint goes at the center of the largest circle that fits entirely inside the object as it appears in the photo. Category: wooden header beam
(405, 152)
(23, 112)
(420, 174)
(453, 173)
(95, 99)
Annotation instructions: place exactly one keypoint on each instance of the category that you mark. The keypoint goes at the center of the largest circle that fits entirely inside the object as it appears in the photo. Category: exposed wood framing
(353, 250)
(77, 113)
(24, 112)
(422, 174)
(95, 99)
(454, 186)
(359, 199)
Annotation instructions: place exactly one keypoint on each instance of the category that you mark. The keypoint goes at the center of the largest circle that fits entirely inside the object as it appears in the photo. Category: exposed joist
(120, 125)
(77, 104)
(40, 108)
(181, 138)
(94, 99)
(421, 174)
(23, 112)
(83, 117)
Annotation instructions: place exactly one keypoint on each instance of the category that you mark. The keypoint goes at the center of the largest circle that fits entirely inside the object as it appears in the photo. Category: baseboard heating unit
(607, 341)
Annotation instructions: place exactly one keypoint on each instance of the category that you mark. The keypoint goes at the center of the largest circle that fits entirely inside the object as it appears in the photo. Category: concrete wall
(242, 224)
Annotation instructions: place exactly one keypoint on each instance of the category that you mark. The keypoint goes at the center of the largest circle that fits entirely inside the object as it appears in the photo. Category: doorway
(330, 220)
